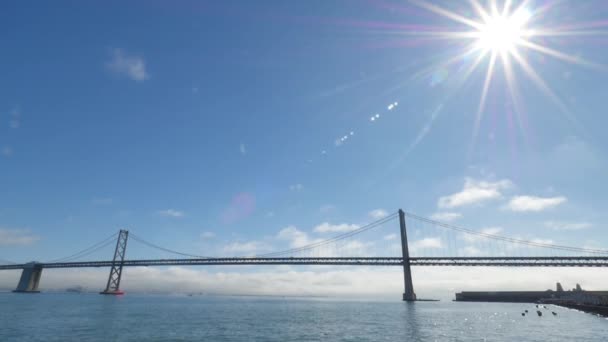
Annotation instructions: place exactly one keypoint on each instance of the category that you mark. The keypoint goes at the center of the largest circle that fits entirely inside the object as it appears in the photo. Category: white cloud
(248, 248)
(296, 238)
(488, 230)
(558, 225)
(171, 213)
(491, 230)
(243, 149)
(377, 214)
(17, 237)
(133, 67)
(469, 251)
(534, 203)
(357, 248)
(475, 192)
(428, 242)
(445, 216)
(272, 280)
(390, 237)
(207, 235)
(326, 227)
(296, 187)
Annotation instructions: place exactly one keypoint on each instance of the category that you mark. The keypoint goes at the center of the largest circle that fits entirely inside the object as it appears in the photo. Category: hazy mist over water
(91, 317)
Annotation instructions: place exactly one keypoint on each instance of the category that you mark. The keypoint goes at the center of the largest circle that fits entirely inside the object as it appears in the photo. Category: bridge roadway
(586, 261)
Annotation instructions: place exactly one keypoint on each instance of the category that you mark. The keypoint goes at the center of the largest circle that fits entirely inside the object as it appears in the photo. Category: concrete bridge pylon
(30, 278)
(408, 295)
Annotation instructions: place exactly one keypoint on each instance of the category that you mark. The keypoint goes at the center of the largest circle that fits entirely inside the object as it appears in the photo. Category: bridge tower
(408, 295)
(113, 286)
(30, 278)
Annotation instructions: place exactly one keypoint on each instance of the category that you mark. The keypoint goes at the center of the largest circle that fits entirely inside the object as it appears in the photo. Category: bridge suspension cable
(339, 237)
(505, 238)
(336, 238)
(149, 244)
(89, 250)
(337, 242)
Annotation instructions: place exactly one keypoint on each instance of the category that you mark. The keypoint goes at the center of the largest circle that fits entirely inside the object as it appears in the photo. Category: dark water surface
(92, 317)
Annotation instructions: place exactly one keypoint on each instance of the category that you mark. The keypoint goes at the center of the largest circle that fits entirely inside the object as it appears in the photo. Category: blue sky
(210, 127)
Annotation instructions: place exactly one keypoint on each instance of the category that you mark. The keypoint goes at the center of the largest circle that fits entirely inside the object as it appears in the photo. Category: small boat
(539, 313)
(526, 311)
(523, 313)
(554, 313)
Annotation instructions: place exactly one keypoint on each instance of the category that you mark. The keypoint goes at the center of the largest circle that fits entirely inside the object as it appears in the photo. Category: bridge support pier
(408, 294)
(113, 286)
(30, 278)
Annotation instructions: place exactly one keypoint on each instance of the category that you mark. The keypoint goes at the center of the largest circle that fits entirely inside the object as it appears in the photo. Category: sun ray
(510, 78)
(558, 33)
(542, 9)
(542, 85)
(582, 25)
(560, 55)
(494, 8)
(432, 34)
(523, 5)
(471, 49)
(480, 10)
(484, 94)
(445, 13)
(505, 9)
(513, 91)
(475, 64)
(500, 31)
(427, 128)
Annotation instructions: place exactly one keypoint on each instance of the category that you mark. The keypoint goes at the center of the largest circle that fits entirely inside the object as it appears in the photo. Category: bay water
(136, 317)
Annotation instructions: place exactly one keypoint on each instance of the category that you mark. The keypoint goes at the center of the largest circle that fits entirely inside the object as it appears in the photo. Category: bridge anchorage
(431, 247)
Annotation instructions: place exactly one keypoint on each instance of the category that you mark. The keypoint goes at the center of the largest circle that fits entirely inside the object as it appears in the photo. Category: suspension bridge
(434, 244)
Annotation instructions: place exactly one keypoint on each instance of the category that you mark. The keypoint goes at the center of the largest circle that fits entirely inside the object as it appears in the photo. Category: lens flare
(500, 36)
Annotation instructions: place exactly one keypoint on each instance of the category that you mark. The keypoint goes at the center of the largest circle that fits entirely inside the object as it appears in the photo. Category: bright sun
(501, 33)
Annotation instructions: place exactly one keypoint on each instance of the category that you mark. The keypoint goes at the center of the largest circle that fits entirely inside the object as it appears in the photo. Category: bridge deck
(600, 261)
